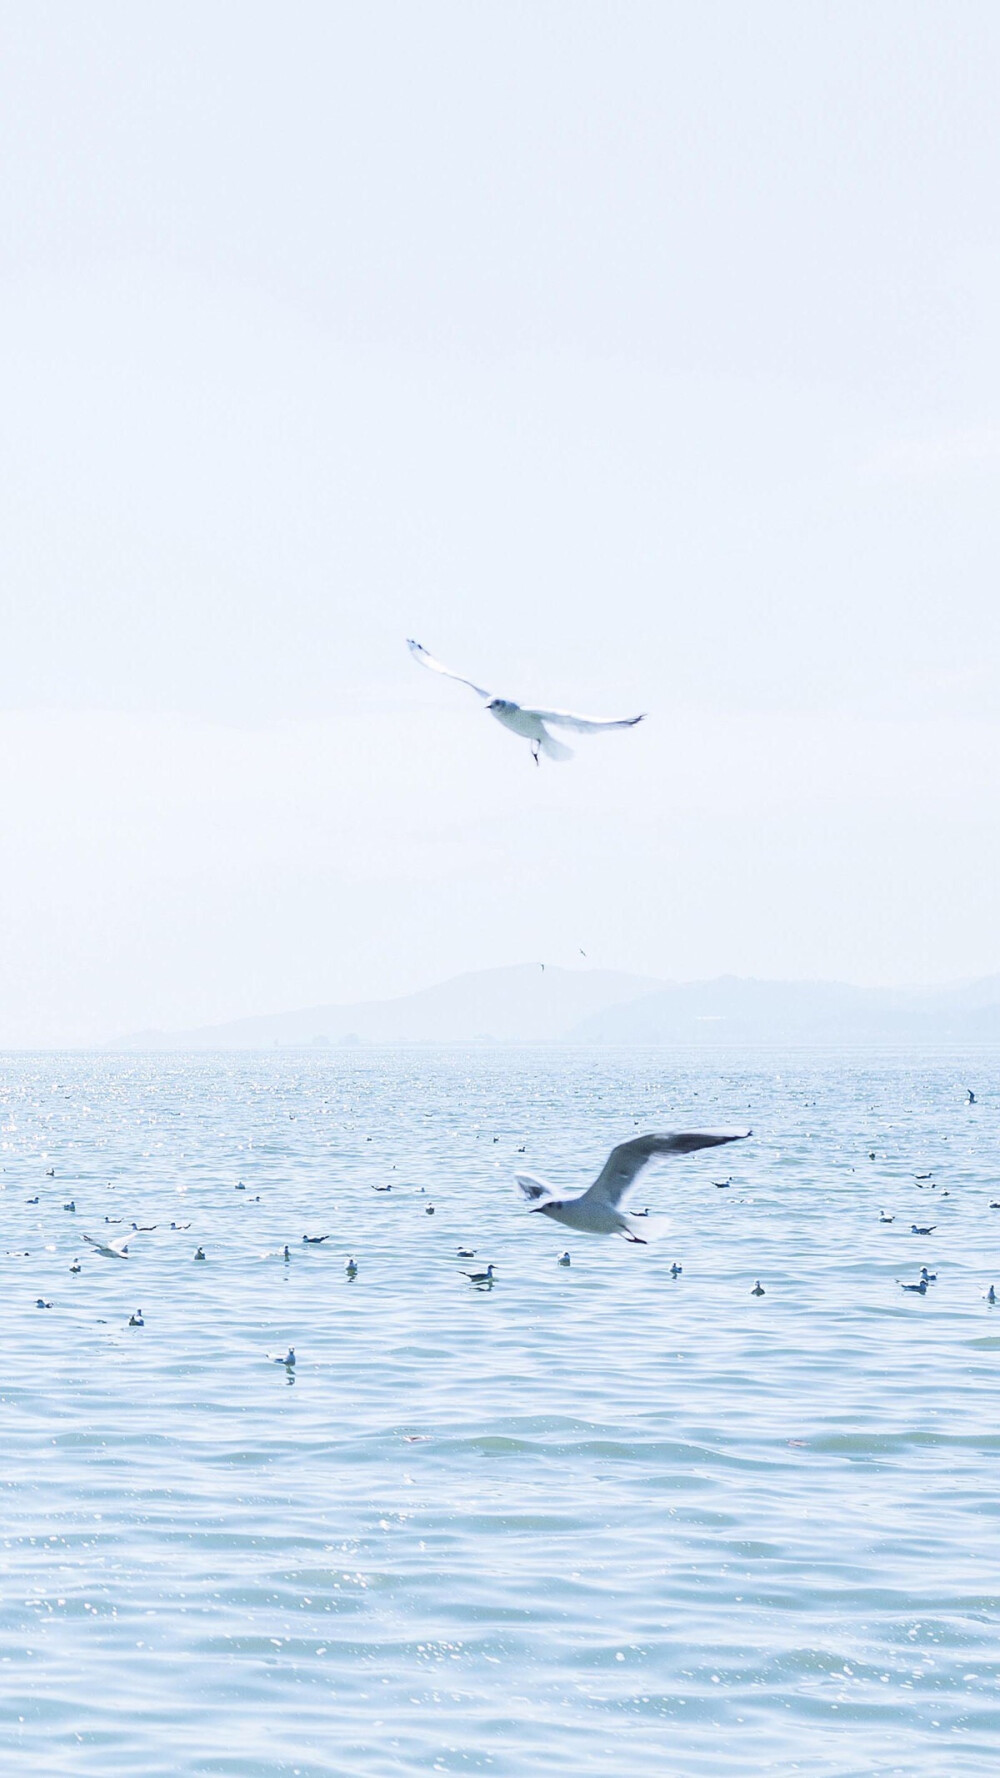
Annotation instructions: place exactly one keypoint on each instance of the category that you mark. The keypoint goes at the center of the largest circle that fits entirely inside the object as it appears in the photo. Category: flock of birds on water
(597, 1210)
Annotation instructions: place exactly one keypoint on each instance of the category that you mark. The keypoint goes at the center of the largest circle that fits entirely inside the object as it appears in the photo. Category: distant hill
(737, 1012)
(525, 1004)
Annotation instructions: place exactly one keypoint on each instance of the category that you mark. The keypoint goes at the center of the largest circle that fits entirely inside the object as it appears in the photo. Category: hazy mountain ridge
(735, 1010)
(528, 1004)
(525, 1003)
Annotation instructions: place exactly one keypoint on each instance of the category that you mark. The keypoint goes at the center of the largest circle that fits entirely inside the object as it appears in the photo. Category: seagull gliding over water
(117, 1249)
(529, 723)
(595, 1211)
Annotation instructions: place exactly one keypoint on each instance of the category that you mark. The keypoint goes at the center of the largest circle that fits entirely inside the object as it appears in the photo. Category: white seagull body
(596, 1211)
(530, 724)
(117, 1249)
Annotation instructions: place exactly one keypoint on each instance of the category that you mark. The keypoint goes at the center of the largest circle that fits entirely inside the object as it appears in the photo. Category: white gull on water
(595, 1211)
(522, 721)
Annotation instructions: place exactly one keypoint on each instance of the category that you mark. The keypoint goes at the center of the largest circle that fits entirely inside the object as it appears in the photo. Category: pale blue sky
(630, 356)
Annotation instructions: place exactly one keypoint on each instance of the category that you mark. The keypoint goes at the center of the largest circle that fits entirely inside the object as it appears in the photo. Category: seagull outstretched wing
(533, 1189)
(625, 1163)
(566, 719)
(421, 654)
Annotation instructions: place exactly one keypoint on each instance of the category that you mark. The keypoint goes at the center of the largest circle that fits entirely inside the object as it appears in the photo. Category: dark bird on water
(480, 1277)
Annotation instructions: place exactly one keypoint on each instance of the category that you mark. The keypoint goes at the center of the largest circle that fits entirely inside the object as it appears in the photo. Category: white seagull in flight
(117, 1249)
(596, 1212)
(529, 723)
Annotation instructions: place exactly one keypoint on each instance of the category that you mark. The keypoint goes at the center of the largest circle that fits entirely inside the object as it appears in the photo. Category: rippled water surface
(597, 1521)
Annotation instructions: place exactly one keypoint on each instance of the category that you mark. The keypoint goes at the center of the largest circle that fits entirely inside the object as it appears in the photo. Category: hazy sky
(630, 356)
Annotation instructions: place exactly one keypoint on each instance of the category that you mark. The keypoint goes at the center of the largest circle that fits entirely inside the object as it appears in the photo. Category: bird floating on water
(531, 724)
(76, 1266)
(595, 1211)
(136, 1319)
(199, 1253)
(466, 1253)
(480, 1277)
(117, 1249)
(288, 1360)
(758, 1289)
(884, 1218)
(42, 1304)
(972, 1096)
(676, 1270)
(915, 1229)
(315, 1240)
(931, 1277)
(564, 1259)
(351, 1268)
(921, 1288)
(71, 1205)
(991, 1295)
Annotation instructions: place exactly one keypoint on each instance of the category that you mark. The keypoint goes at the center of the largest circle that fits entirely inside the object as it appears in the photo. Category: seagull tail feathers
(552, 748)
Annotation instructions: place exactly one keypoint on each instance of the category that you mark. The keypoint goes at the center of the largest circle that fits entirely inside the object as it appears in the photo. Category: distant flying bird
(595, 1211)
(521, 721)
(972, 1096)
(117, 1249)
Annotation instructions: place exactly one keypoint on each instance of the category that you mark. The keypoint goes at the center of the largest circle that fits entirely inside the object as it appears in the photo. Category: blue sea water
(598, 1520)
